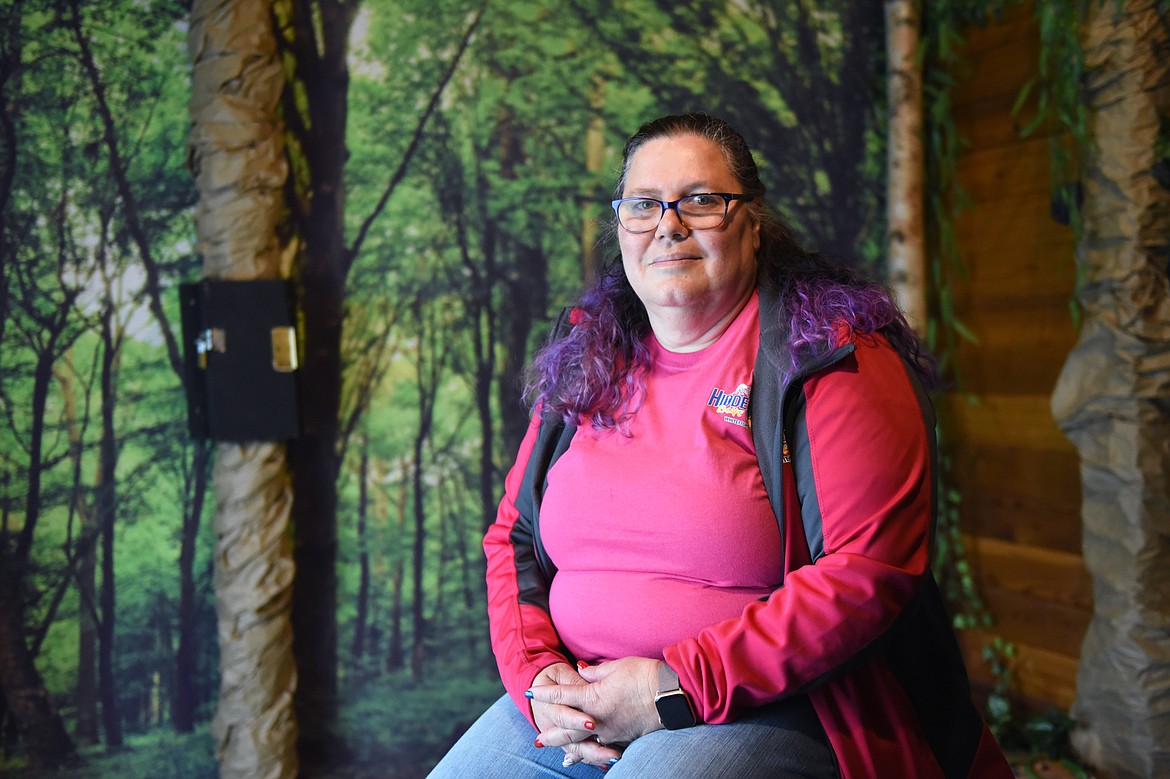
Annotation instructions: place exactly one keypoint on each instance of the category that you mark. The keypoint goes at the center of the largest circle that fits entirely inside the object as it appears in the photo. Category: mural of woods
(434, 180)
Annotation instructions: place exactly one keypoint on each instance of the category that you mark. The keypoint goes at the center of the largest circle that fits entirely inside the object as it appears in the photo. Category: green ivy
(944, 24)
(1056, 90)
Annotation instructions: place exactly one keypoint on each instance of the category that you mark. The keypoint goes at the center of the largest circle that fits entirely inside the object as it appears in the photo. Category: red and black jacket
(858, 625)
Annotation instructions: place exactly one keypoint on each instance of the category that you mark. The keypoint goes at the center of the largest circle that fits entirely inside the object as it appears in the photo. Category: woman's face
(706, 273)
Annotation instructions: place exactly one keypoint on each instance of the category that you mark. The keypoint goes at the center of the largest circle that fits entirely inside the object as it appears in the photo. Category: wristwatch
(674, 707)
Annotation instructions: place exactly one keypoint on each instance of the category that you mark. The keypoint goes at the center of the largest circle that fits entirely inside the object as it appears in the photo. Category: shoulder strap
(776, 412)
(552, 439)
(766, 402)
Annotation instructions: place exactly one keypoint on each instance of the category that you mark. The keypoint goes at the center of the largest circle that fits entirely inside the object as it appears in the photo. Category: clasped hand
(587, 709)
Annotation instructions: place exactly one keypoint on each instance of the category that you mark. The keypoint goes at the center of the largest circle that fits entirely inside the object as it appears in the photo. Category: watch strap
(667, 679)
(672, 702)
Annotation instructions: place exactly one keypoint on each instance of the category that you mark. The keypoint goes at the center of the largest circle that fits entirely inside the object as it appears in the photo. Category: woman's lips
(673, 258)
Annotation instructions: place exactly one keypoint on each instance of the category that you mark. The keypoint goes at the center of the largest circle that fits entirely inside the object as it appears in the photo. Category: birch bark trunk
(905, 236)
(236, 152)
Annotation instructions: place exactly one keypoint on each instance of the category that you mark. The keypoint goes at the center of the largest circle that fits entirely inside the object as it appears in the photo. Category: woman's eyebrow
(654, 192)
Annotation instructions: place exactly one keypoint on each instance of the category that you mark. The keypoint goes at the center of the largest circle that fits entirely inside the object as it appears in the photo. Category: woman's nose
(671, 225)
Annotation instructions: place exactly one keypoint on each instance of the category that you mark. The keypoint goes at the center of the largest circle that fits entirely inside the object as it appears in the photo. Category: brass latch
(284, 349)
(211, 339)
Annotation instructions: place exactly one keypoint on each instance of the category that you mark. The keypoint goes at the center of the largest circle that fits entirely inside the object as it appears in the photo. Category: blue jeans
(779, 741)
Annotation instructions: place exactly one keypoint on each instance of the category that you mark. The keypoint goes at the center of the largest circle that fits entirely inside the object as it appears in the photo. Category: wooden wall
(1018, 475)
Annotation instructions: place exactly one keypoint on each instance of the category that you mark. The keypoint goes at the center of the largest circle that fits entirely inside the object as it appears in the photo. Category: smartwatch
(674, 707)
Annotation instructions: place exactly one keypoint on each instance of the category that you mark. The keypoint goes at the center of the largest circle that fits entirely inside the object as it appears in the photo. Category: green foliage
(1046, 734)
(159, 754)
(1059, 105)
(400, 728)
(69, 262)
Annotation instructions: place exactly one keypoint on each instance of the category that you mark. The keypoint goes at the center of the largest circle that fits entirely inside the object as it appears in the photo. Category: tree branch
(118, 169)
(412, 147)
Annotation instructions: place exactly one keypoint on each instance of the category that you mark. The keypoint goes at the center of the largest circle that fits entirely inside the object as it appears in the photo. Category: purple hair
(597, 372)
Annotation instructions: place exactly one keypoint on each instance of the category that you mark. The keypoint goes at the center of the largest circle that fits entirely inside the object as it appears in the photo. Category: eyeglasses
(702, 211)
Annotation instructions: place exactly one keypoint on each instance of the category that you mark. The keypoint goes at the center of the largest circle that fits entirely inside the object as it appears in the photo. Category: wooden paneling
(1004, 172)
(1031, 583)
(1041, 679)
(1034, 504)
(1023, 421)
(1018, 476)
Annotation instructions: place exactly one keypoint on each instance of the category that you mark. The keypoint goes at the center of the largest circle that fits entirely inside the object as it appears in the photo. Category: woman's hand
(616, 698)
(564, 726)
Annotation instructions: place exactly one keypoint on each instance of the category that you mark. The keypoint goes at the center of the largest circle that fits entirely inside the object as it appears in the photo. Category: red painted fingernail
(537, 744)
(589, 725)
(582, 664)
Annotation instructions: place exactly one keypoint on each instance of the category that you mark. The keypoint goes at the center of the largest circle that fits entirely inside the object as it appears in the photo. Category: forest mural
(472, 149)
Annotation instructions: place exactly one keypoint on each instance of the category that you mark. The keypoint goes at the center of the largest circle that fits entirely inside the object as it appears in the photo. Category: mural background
(498, 219)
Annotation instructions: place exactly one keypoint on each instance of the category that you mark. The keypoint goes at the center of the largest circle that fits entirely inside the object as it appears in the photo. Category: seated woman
(712, 557)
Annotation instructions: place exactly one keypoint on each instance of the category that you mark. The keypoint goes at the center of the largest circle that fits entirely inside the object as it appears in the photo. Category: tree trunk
(1113, 396)
(186, 700)
(237, 155)
(85, 697)
(482, 309)
(162, 692)
(395, 656)
(105, 515)
(526, 291)
(40, 727)
(85, 694)
(905, 163)
(316, 35)
(363, 594)
(426, 408)
(592, 257)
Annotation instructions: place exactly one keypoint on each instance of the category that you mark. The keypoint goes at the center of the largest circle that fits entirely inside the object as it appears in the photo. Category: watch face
(674, 710)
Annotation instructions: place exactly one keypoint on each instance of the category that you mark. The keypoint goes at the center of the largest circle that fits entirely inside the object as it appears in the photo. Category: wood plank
(1020, 351)
(997, 72)
(1009, 220)
(1011, 266)
(1018, 476)
(1034, 572)
(1047, 624)
(1041, 678)
(1011, 40)
(1024, 420)
(1006, 171)
(1013, 495)
(1046, 675)
(1029, 521)
(1040, 320)
(989, 122)
(1002, 30)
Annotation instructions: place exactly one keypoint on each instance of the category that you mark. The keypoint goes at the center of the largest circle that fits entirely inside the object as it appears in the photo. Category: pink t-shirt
(658, 534)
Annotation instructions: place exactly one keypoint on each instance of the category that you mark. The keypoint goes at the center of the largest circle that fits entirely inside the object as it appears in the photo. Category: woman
(712, 556)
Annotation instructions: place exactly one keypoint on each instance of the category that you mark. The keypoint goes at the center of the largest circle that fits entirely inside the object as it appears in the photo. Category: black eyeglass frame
(728, 197)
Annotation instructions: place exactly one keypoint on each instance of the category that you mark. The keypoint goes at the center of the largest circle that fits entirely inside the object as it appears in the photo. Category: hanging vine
(944, 25)
(1055, 95)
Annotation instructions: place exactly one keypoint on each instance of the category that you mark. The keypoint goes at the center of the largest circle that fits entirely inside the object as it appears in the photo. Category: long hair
(597, 371)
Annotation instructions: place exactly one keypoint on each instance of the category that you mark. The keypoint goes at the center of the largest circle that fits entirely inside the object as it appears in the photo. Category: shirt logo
(732, 405)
